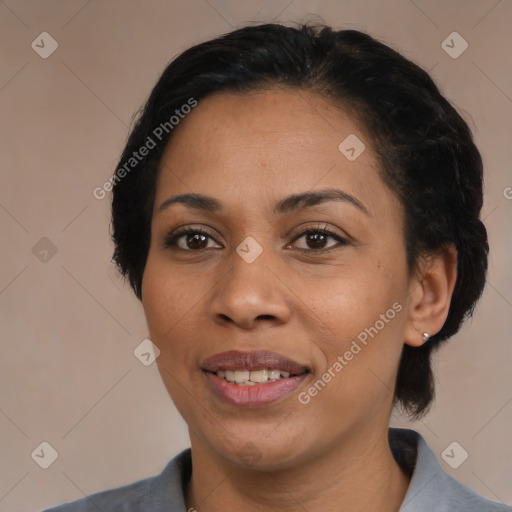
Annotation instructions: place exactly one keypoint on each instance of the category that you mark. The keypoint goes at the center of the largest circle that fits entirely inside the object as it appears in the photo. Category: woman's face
(334, 304)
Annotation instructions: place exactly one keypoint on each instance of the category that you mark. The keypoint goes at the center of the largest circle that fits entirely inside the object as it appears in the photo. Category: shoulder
(128, 497)
(156, 493)
(432, 489)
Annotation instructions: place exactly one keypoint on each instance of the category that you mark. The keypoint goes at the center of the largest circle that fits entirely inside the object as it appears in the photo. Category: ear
(430, 294)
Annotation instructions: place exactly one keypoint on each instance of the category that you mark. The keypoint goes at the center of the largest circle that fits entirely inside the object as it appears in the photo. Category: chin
(260, 448)
(259, 457)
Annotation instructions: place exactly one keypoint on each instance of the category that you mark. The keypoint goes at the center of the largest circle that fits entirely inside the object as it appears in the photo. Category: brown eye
(192, 240)
(196, 241)
(316, 239)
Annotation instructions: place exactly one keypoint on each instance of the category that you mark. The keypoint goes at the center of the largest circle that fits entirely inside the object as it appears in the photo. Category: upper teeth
(250, 378)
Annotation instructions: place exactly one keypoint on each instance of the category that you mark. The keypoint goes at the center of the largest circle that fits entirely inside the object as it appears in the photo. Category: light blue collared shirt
(431, 489)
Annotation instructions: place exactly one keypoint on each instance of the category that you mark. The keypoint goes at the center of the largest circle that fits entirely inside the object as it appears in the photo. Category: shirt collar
(431, 489)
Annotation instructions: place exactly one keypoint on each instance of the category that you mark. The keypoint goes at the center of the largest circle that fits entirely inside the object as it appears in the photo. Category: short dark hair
(426, 151)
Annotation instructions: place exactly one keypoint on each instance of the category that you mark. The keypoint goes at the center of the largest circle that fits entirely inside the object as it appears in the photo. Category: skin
(249, 151)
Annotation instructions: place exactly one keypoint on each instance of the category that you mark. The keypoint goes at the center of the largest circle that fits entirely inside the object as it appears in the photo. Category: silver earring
(425, 336)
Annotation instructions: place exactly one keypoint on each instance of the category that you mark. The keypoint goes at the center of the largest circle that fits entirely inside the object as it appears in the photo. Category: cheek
(166, 296)
(366, 309)
(355, 298)
(172, 308)
(169, 309)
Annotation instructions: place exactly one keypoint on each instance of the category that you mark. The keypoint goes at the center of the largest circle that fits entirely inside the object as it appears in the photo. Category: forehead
(281, 118)
(265, 144)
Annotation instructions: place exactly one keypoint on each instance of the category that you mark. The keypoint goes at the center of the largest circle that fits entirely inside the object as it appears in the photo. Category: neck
(357, 475)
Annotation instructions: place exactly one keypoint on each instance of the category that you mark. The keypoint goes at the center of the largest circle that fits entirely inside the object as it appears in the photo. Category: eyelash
(172, 238)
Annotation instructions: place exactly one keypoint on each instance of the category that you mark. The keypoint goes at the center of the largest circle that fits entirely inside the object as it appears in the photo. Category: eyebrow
(288, 204)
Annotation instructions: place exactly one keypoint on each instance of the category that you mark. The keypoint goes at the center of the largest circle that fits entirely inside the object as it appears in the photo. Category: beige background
(68, 325)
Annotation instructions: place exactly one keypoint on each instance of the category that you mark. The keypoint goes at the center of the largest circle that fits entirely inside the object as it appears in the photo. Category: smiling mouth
(254, 377)
(253, 368)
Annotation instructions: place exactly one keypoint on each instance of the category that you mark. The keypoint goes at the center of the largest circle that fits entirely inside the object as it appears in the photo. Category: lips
(255, 360)
(257, 394)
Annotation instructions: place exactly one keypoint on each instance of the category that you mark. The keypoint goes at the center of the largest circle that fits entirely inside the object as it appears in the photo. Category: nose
(250, 294)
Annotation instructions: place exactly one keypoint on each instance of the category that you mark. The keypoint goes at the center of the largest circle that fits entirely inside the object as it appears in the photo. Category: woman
(298, 211)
